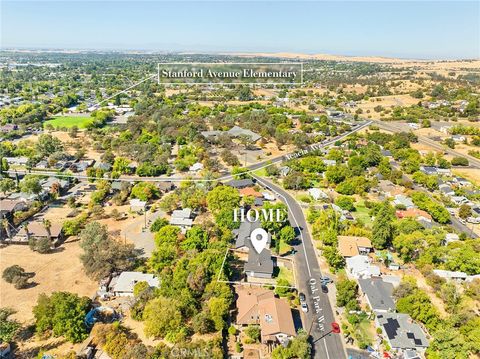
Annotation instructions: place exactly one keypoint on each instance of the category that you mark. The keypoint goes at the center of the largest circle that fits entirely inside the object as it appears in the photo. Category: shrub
(10, 273)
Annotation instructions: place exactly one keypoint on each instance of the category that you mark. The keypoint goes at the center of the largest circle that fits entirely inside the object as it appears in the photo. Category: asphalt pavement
(318, 319)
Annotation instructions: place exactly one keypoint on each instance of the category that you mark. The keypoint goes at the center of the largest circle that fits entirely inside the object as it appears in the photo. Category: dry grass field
(59, 271)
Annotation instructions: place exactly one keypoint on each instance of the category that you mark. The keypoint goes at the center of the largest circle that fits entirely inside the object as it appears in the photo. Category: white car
(303, 302)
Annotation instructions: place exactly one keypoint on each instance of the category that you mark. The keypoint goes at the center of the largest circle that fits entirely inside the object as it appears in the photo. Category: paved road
(320, 314)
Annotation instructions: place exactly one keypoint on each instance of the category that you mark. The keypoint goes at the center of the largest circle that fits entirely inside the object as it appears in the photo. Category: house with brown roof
(260, 306)
(38, 230)
(351, 246)
(9, 206)
(250, 191)
(414, 213)
(389, 189)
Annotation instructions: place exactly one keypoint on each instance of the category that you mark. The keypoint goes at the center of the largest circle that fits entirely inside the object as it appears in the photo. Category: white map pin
(259, 239)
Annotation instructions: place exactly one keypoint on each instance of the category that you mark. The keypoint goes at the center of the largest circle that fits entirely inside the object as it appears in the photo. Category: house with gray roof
(403, 200)
(237, 131)
(123, 285)
(182, 218)
(259, 265)
(242, 235)
(241, 183)
(401, 332)
(378, 294)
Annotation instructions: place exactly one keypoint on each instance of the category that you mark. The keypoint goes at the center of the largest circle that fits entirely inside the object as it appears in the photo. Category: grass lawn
(284, 248)
(285, 273)
(69, 121)
(364, 332)
(262, 172)
(361, 213)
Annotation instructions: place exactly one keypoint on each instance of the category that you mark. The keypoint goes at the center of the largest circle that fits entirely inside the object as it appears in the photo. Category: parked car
(326, 280)
(324, 288)
(303, 302)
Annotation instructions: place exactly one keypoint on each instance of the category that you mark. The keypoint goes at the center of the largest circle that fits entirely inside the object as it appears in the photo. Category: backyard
(69, 121)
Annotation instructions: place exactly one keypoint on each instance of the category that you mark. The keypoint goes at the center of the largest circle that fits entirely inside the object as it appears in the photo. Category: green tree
(298, 348)
(48, 144)
(382, 229)
(345, 202)
(8, 327)
(31, 184)
(159, 223)
(7, 185)
(253, 332)
(162, 316)
(63, 313)
(103, 255)
(287, 234)
(347, 291)
(221, 198)
(464, 211)
(145, 191)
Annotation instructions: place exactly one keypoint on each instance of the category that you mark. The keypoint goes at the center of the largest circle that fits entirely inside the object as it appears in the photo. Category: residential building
(378, 294)
(401, 332)
(137, 205)
(259, 265)
(446, 189)
(182, 218)
(16, 161)
(260, 306)
(196, 167)
(350, 246)
(414, 213)
(451, 275)
(39, 230)
(124, 284)
(241, 183)
(361, 267)
(317, 194)
(402, 200)
(251, 192)
(451, 237)
(242, 235)
(9, 206)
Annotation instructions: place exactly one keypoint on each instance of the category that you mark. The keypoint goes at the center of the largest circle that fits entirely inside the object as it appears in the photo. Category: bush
(42, 245)
(158, 224)
(253, 332)
(20, 282)
(232, 330)
(10, 273)
(459, 161)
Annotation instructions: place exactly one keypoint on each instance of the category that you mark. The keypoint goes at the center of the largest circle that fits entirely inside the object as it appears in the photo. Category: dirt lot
(59, 271)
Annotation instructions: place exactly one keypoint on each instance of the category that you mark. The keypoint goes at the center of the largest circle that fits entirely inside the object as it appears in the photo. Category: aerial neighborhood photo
(239, 179)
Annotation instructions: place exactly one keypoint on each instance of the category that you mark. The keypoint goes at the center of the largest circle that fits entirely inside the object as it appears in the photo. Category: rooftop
(378, 293)
(401, 331)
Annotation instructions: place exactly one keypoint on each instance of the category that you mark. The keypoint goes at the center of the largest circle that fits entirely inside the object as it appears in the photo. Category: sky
(406, 29)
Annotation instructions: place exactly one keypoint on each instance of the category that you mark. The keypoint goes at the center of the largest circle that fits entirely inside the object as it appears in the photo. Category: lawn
(262, 172)
(284, 248)
(361, 213)
(69, 121)
(285, 273)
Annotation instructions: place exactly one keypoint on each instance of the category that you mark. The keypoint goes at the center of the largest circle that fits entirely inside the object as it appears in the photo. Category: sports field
(69, 121)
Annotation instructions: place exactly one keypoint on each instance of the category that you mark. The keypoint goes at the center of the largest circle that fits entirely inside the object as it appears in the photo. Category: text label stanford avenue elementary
(230, 73)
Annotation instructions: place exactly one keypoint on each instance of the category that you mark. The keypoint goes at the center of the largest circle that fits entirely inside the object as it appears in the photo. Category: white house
(126, 281)
(450, 275)
(196, 167)
(317, 194)
(361, 267)
(137, 205)
(182, 218)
